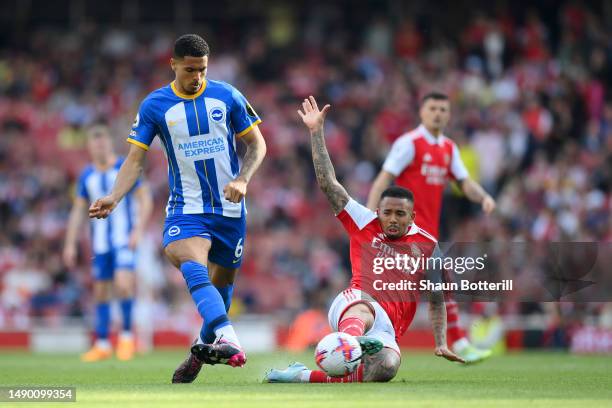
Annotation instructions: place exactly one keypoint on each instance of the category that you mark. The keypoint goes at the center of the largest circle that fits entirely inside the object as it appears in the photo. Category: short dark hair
(398, 192)
(191, 45)
(98, 129)
(436, 96)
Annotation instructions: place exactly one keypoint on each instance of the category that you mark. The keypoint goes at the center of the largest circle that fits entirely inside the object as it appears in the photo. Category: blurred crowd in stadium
(531, 96)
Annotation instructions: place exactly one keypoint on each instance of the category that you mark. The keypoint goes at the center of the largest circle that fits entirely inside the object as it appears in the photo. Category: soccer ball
(338, 354)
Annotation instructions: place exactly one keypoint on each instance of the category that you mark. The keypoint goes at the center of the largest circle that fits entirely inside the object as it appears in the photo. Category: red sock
(454, 332)
(352, 325)
(320, 377)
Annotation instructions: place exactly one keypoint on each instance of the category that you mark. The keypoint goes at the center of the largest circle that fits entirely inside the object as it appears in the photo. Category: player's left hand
(488, 205)
(447, 354)
(235, 190)
(312, 117)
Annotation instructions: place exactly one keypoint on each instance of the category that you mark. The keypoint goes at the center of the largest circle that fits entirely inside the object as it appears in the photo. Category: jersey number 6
(238, 251)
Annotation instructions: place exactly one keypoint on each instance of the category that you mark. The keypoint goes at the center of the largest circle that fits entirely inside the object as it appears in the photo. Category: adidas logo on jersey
(427, 157)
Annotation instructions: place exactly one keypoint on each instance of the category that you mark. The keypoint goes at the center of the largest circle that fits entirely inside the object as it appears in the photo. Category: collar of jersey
(185, 96)
(413, 229)
(431, 139)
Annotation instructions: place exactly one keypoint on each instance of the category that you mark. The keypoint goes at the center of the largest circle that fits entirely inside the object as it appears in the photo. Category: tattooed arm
(314, 119)
(236, 189)
(437, 315)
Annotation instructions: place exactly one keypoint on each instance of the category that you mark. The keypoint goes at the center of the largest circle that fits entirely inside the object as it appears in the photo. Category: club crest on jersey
(217, 115)
(446, 158)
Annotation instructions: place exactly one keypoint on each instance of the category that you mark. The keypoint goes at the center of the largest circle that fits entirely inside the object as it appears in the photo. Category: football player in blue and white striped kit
(114, 242)
(198, 121)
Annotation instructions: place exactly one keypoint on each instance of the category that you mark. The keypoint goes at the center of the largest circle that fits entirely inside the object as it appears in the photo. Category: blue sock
(102, 320)
(126, 313)
(226, 293)
(207, 334)
(206, 297)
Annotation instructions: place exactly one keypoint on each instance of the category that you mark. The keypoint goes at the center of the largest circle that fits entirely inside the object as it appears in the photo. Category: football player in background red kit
(423, 161)
(375, 318)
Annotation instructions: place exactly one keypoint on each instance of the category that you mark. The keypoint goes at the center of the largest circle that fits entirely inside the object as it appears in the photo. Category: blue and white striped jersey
(199, 135)
(113, 232)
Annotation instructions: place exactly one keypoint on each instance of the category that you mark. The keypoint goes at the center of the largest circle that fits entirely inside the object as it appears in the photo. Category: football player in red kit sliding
(423, 161)
(377, 323)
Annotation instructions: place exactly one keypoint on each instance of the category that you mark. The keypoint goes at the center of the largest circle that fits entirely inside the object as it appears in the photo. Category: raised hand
(312, 117)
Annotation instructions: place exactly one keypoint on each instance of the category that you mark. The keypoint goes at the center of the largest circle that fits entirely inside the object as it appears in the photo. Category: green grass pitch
(526, 379)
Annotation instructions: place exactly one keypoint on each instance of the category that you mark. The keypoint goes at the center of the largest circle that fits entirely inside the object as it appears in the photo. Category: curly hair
(191, 45)
(398, 192)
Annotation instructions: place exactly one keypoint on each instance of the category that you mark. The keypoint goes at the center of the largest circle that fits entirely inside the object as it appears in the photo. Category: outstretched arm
(475, 193)
(383, 180)
(437, 314)
(314, 119)
(128, 174)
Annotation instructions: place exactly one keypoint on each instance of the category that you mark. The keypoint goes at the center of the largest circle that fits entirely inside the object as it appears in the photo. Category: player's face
(100, 145)
(435, 114)
(395, 216)
(190, 73)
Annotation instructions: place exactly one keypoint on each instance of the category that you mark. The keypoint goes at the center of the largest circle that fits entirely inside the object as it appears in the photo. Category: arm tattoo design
(437, 314)
(251, 161)
(326, 176)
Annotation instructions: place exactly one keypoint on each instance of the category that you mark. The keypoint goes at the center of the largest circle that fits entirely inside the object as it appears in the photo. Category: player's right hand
(312, 117)
(447, 354)
(69, 256)
(102, 207)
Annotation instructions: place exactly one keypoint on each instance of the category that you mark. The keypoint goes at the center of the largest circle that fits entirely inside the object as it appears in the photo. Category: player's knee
(362, 311)
(124, 285)
(174, 260)
(102, 291)
(182, 251)
(381, 367)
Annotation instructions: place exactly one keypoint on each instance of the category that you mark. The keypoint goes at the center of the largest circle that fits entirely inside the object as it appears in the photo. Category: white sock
(460, 345)
(126, 335)
(228, 333)
(103, 344)
(304, 376)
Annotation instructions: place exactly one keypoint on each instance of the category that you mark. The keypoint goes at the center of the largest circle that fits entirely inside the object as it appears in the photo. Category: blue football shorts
(105, 265)
(226, 234)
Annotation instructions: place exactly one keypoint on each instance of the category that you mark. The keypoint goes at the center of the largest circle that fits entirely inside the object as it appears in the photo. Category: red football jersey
(423, 164)
(367, 242)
